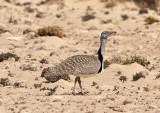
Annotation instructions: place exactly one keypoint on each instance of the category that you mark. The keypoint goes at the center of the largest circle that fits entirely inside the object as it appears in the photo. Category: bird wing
(82, 64)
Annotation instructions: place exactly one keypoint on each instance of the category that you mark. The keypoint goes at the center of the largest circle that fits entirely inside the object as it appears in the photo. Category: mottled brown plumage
(74, 65)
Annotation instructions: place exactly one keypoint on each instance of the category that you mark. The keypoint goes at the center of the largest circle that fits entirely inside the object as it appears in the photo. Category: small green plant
(106, 63)
(137, 59)
(50, 31)
(151, 20)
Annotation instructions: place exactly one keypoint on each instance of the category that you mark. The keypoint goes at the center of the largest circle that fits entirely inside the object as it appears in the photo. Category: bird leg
(79, 81)
(76, 79)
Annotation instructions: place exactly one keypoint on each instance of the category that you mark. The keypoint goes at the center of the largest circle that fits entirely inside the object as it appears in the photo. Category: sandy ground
(105, 93)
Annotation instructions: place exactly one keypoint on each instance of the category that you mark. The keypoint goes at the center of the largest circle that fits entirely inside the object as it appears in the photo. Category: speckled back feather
(80, 64)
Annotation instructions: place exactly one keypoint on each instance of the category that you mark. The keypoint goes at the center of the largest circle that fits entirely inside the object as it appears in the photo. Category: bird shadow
(76, 94)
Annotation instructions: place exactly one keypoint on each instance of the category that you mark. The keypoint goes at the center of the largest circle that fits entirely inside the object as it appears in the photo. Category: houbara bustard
(79, 65)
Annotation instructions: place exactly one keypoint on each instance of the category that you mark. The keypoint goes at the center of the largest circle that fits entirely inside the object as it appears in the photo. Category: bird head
(105, 34)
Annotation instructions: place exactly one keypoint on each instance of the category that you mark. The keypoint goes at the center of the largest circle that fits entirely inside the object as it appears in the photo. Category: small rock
(44, 61)
(88, 17)
(116, 88)
(118, 109)
(145, 73)
(31, 35)
(119, 72)
(94, 83)
(106, 12)
(10, 74)
(124, 17)
(3, 30)
(37, 86)
(52, 53)
(106, 21)
(127, 102)
(25, 67)
(6, 67)
(89, 8)
(110, 5)
(156, 87)
(15, 38)
(13, 20)
(27, 31)
(36, 78)
(58, 15)
(145, 89)
(92, 28)
(40, 15)
(143, 10)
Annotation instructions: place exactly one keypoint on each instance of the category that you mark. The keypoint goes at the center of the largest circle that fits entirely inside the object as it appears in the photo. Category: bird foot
(80, 93)
(73, 93)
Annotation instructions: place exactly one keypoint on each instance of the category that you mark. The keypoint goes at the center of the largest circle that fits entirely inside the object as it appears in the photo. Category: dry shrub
(151, 20)
(123, 78)
(6, 56)
(152, 4)
(137, 59)
(5, 82)
(137, 76)
(50, 31)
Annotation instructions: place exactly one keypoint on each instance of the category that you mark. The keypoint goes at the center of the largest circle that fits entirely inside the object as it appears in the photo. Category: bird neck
(101, 53)
(102, 47)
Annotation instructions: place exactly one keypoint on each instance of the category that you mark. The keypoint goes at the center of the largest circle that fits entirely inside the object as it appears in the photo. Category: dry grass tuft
(151, 20)
(50, 31)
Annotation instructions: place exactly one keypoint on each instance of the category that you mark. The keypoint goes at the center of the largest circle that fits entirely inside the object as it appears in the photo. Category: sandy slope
(109, 94)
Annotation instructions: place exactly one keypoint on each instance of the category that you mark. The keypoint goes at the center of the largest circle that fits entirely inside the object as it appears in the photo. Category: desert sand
(27, 92)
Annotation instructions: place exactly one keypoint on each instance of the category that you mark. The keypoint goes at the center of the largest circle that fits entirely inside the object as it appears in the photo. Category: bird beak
(113, 32)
